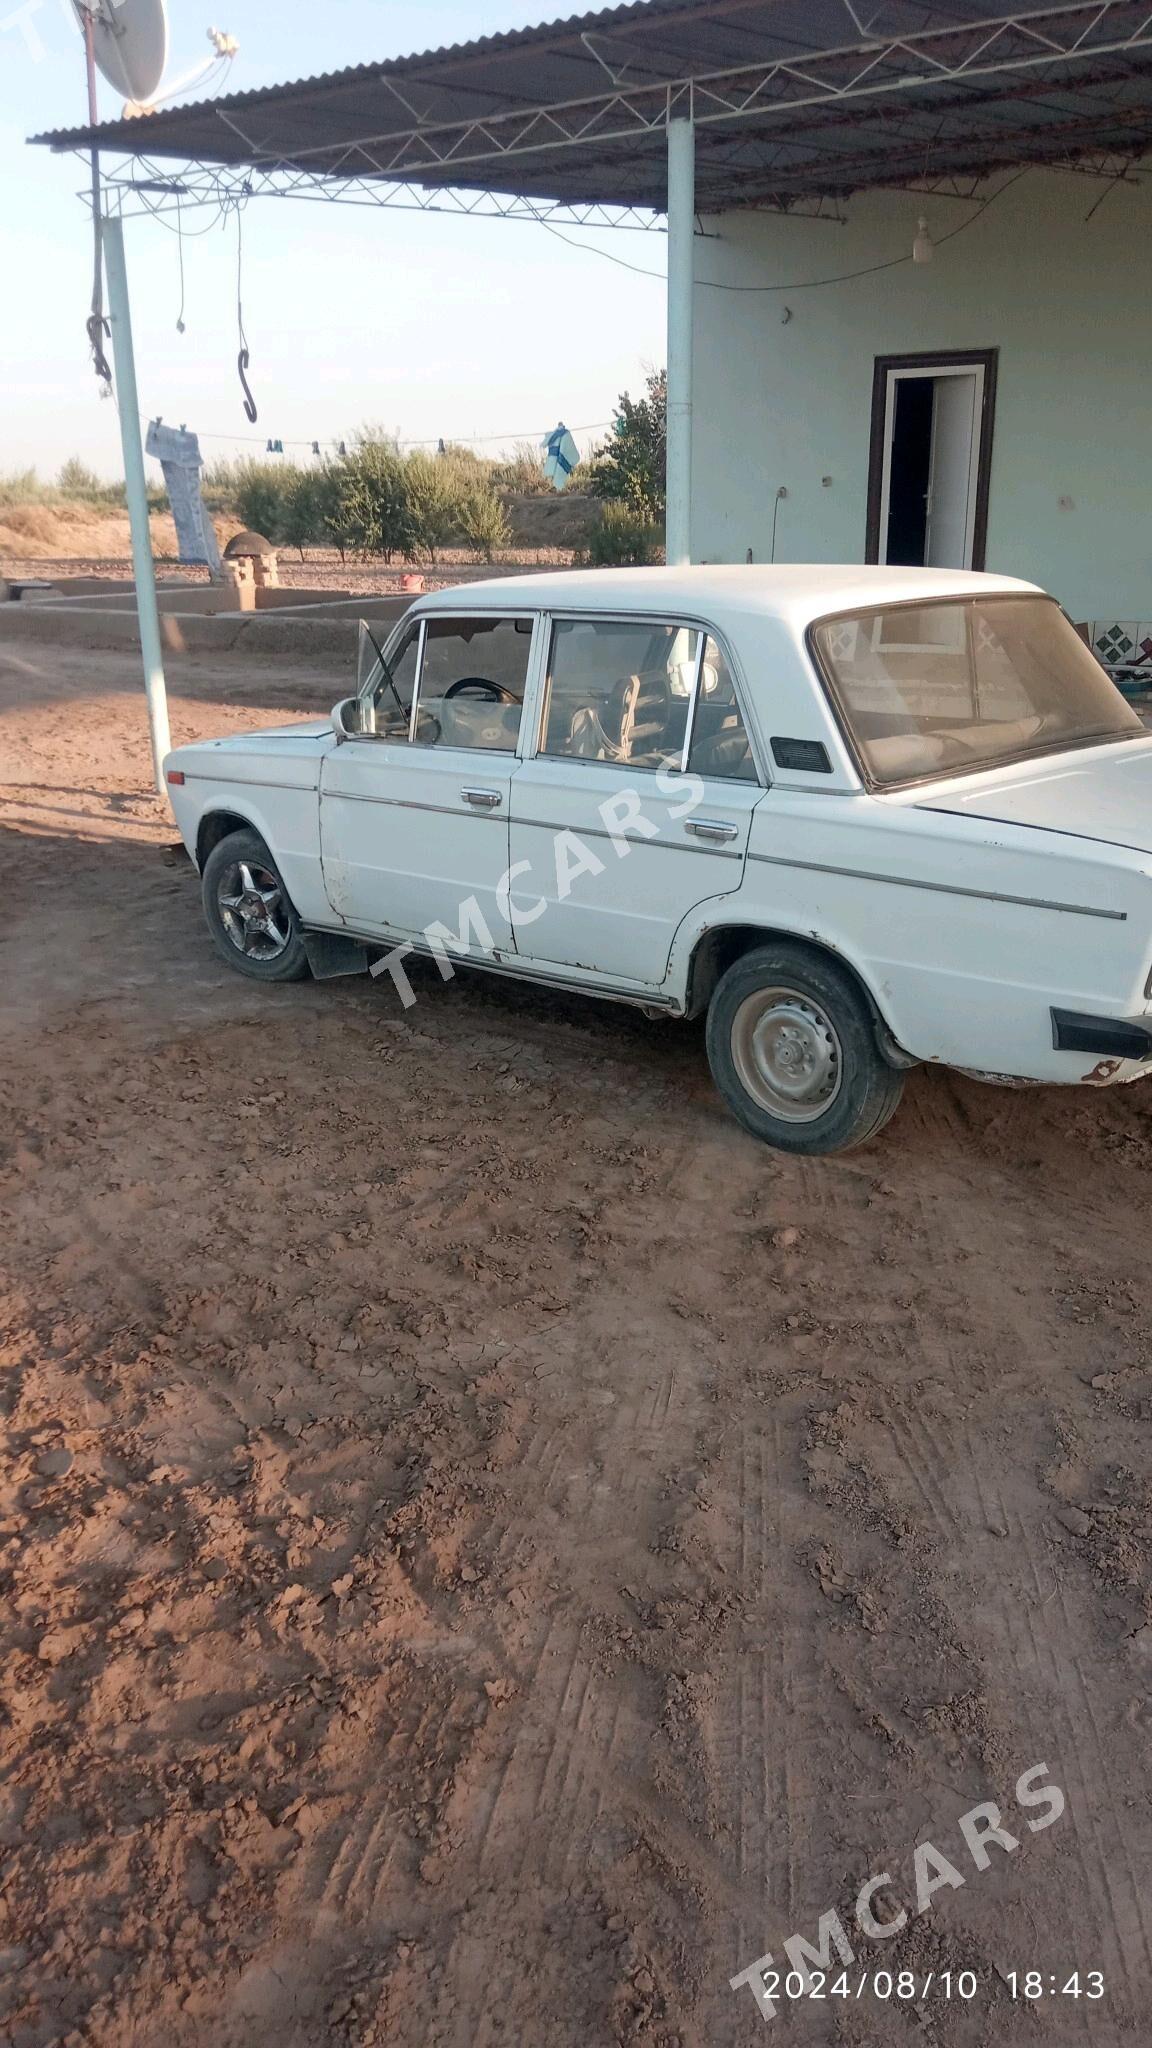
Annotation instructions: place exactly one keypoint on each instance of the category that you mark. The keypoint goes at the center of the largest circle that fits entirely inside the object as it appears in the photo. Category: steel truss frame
(902, 82)
(146, 185)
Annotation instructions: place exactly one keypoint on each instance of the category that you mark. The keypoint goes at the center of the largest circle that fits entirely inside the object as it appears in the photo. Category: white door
(636, 804)
(929, 479)
(414, 814)
(952, 473)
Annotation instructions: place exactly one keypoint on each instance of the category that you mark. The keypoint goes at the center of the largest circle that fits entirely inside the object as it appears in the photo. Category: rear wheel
(793, 1050)
(250, 917)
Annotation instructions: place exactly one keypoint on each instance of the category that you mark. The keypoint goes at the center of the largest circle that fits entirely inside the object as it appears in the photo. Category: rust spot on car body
(1103, 1071)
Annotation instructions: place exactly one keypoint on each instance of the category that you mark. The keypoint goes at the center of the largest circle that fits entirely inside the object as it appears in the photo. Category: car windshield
(941, 688)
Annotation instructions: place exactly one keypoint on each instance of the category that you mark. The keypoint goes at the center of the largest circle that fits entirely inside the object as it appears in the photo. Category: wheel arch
(216, 825)
(721, 945)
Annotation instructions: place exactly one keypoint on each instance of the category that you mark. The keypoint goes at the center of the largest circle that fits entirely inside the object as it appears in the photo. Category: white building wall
(1066, 300)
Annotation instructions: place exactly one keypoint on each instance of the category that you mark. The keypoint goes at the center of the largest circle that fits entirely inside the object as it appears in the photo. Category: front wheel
(250, 917)
(793, 1050)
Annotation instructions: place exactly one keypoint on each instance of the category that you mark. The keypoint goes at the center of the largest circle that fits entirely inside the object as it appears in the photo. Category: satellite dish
(129, 43)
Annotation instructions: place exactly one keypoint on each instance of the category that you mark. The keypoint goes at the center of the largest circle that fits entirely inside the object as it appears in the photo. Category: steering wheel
(481, 686)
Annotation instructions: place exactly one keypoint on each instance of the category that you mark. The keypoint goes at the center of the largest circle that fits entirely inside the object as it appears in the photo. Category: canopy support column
(681, 231)
(136, 488)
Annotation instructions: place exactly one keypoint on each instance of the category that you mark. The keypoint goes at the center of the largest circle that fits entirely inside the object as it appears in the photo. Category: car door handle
(711, 828)
(482, 799)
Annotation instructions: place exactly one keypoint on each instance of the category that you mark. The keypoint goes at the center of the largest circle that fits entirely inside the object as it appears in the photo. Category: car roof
(796, 592)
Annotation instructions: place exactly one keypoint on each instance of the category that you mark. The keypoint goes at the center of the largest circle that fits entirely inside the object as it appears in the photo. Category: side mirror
(346, 722)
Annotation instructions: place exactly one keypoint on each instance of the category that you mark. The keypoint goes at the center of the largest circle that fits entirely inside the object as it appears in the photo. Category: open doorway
(930, 457)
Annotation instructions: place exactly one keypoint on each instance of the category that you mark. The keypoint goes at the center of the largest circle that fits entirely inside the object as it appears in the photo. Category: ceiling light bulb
(922, 246)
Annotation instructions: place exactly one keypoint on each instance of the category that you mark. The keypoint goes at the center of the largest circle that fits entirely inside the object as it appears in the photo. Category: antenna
(128, 41)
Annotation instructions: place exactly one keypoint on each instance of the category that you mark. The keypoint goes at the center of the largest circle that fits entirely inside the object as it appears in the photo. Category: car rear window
(958, 684)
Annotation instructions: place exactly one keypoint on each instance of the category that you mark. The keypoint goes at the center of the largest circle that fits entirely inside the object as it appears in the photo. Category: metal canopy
(796, 103)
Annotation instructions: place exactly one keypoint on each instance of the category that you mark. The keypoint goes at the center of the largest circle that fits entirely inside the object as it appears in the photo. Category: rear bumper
(1117, 1038)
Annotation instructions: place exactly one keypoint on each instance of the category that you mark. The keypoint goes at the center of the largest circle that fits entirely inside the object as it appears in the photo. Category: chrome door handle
(711, 828)
(482, 799)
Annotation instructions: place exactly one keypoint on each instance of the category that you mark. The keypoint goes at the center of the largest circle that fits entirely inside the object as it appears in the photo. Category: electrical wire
(805, 284)
(584, 248)
(180, 255)
(152, 206)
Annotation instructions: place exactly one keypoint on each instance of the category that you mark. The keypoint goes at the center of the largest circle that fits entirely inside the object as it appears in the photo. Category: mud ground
(487, 1550)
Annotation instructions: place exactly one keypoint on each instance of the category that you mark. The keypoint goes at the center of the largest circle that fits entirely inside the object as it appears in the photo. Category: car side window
(619, 690)
(719, 745)
(472, 682)
(392, 686)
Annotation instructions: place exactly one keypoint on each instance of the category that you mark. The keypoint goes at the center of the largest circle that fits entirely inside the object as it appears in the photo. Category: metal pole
(681, 230)
(137, 492)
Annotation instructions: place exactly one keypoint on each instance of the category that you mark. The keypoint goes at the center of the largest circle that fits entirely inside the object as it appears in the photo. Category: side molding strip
(632, 839)
(817, 867)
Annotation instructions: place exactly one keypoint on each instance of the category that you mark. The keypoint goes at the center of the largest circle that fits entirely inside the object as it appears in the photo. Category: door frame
(930, 363)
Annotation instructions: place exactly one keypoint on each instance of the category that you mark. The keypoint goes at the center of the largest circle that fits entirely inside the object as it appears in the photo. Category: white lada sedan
(861, 817)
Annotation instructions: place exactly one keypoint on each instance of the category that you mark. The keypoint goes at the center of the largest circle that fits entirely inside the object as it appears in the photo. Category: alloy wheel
(253, 910)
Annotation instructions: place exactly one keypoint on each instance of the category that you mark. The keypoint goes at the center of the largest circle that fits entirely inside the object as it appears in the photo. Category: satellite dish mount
(127, 41)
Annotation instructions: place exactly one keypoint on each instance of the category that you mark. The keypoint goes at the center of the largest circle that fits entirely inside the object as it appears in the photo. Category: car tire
(793, 1049)
(254, 928)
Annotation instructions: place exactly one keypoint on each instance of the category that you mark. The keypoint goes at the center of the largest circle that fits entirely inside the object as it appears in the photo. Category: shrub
(21, 487)
(436, 493)
(258, 497)
(76, 485)
(76, 480)
(370, 512)
(467, 464)
(374, 434)
(629, 468)
(484, 524)
(306, 499)
(218, 486)
(522, 471)
(327, 482)
(623, 539)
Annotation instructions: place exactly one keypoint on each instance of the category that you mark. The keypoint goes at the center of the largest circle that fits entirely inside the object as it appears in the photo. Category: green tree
(327, 483)
(629, 467)
(484, 524)
(305, 502)
(259, 494)
(372, 511)
(436, 494)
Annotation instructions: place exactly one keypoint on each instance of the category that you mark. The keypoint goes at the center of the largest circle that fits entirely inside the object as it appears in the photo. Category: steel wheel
(787, 1054)
(253, 911)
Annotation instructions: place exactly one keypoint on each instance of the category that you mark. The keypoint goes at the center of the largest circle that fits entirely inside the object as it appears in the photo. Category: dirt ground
(488, 1551)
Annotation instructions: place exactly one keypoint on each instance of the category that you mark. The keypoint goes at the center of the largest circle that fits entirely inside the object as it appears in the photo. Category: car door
(635, 803)
(414, 809)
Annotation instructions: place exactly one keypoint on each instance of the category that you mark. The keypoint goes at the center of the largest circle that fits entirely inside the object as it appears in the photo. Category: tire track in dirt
(1037, 1626)
(1017, 1638)
(943, 1484)
(564, 1788)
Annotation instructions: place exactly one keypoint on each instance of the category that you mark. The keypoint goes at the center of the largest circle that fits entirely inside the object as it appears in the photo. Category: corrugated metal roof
(790, 99)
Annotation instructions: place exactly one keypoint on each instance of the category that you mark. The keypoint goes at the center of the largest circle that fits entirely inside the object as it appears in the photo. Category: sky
(486, 331)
